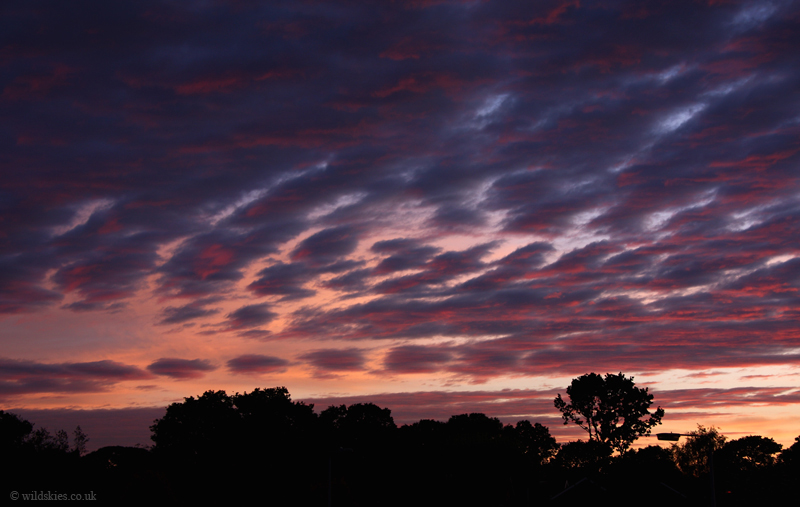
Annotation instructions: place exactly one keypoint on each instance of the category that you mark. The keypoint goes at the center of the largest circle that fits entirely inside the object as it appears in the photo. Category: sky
(436, 206)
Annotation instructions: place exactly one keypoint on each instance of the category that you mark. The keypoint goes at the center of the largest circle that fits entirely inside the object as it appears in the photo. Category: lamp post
(674, 437)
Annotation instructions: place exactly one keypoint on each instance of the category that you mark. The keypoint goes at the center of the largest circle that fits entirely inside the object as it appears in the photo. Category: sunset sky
(437, 206)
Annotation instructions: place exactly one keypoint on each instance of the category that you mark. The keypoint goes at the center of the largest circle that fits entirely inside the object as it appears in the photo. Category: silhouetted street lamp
(672, 437)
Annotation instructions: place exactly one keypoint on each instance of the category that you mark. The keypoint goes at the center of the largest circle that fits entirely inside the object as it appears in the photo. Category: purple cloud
(250, 316)
(256, 363)
(27, 377)
(329, 361)
(326, 246)
(181, 369)
(543, 195)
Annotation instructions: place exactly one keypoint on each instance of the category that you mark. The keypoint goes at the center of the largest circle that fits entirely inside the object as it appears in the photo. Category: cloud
(210, 263)
(416, 359)
(181, 369)
(286, 280)
(531, 193)
(406, 254)
(437, 270)
(250, 316)
(18, 377)
(191, 311)
(326, 246)
(110, 275)
(354, 281)
(20, 289)
(256, 363)
(327, 362)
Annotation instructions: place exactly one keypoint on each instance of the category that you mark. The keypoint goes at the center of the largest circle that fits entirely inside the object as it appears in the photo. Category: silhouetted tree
(791, 455)
(359, 425)
(750, 453)
(13, 431)
(652, 460)
(425, 435)
(369, 417)
(199, 428)
(217, 424)
(648, 472)
(475, 428)
(270, 417)
(590, 455)
(35, 458)
(534, 441)
(274, 407)
(745, 472)
(789, 469)
(610, 409)
(692, 457)
(333, 416)
(261, 437)
(79, 441)
(17, 434)
(61, 441)
(42, 441)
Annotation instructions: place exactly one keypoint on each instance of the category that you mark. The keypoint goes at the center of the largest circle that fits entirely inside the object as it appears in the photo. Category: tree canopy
(360, 425)
(216, 423)
(13, 430)
(692, 457)
(17, 434)
(750, 453)
(791, 455)
(534, 440)
(611, 409)
(281, 448)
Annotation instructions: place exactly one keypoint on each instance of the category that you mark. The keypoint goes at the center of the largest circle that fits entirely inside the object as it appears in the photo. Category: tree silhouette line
(264, 447)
